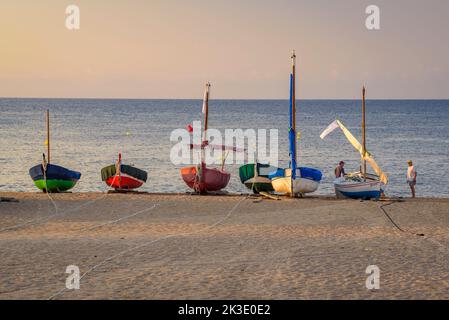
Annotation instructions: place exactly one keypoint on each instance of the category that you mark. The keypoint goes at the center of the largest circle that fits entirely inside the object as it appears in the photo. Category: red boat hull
(124, 182)
(212, 179)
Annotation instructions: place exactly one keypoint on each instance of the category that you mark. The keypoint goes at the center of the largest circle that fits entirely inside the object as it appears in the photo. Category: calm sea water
(88, 134)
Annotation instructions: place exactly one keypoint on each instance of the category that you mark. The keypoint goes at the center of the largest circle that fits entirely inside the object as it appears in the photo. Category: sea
(88, 134)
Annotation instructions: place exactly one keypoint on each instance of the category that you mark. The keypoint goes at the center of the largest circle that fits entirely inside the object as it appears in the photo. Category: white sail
(356, 144)
(334, 125)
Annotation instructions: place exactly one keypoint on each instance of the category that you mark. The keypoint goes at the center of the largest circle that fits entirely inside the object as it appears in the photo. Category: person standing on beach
(340, 170)
(411, 177)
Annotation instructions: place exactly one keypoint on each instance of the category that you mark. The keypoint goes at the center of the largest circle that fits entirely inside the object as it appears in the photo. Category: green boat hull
(54, 185)
(256, 183)
(259, 187)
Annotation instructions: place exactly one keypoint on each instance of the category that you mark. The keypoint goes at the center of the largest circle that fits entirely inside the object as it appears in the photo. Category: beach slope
(221, 247)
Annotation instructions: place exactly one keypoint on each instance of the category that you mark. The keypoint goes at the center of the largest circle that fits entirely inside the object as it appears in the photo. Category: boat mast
(293, 122)
(203, 144)
(294, 97)
(206, 118)
(363, 134)
(206, 110)
(48, 136)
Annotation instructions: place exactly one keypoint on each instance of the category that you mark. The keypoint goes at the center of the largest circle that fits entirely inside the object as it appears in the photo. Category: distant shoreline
(220, 99)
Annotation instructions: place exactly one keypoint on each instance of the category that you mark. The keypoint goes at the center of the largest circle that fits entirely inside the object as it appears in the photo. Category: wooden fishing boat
(294, 180)
(123, 177)
(49, 177)
(306, 180)
(52, 178)
(355, 188)
(256, 177)
(200, 178)
(361, 184)
(203, 179)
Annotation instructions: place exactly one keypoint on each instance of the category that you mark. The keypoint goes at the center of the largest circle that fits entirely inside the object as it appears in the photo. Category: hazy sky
(170, 48)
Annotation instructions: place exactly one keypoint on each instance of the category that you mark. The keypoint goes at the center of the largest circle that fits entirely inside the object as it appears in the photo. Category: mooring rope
(382, 207)
(118, 220)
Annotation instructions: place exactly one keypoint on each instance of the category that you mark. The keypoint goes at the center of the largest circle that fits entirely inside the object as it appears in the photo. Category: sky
(170, 48)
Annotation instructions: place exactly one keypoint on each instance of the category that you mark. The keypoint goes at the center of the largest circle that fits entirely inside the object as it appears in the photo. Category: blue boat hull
(367, 195)
(363, 190)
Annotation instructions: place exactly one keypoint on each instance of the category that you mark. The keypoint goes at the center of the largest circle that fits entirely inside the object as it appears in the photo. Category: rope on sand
(60, 292)
(382, 207)
(48, 217)
(56, 213)
(396, 225)
(118, 220)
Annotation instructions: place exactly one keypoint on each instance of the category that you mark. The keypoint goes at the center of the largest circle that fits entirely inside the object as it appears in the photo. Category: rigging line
(121, 253)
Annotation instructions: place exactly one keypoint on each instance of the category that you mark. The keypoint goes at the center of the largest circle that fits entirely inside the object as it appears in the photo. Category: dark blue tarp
(303, 172)
(110, 171)
(54, 172)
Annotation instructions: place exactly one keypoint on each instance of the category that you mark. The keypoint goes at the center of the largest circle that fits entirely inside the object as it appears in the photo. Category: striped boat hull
(56, 178)
(358, 190)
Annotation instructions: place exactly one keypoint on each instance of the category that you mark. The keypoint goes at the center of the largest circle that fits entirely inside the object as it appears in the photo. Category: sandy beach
(151, 246)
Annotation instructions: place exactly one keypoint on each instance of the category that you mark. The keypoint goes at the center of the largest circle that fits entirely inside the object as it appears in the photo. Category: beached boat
(49, 177)
(52, 178)
(357, 188)
(123, 177)
(200, 178)
(255, 176)
(361, 184)
(294, 180)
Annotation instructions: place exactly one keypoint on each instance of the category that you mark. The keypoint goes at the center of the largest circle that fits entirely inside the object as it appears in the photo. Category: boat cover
(54, 172)
(110, 171)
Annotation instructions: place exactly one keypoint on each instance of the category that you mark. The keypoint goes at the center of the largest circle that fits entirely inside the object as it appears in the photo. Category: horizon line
(231, 99)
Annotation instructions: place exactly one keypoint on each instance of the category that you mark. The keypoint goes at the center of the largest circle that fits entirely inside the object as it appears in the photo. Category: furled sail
(356, 144)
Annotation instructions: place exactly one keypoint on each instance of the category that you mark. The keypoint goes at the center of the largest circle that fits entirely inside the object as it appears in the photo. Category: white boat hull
(300, 185)
(346, 188)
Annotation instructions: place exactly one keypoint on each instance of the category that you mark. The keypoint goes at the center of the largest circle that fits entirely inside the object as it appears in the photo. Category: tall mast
(206, 116)
(363, 133)
(294, 97)
(293, 122)
(206, 109)
(48, 136)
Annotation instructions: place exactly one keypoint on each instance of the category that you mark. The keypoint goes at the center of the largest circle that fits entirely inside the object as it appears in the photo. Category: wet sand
(221, 247)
